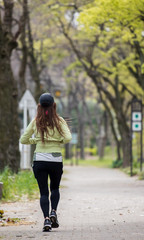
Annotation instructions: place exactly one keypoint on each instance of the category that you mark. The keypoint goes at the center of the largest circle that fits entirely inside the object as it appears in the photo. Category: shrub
(7, 178)
(117, 163)
(141, 176)
(91, 151)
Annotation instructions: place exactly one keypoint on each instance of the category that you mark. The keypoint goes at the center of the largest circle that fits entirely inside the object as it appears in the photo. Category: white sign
(136, 126)
(27, 97)
(136, 116)
(27, 104)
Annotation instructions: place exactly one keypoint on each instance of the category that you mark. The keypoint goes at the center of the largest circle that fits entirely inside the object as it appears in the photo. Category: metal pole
(131, 163)
(25, 125)
(131, 157)
(76, 155)
(141, 158)
(25, 115)
(141, 161)
(70, 145)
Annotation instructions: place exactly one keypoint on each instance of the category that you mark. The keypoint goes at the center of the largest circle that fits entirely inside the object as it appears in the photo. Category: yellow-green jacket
(53, 143)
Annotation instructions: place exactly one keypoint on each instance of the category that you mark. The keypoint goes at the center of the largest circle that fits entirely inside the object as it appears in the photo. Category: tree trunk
(81, 139)
(9, 127)
(115, 134)
(23, 63)
(81, 121)
(33, 63)
(101, 142)
(125, 142)
(118, 145)
(67, 151)
(126, 149)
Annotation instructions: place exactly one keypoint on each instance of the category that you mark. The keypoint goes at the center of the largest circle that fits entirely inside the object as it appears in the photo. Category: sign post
(74, 142)
(136, 126)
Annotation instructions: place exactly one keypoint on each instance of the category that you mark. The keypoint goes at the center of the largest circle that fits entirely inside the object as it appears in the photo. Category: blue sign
(74, 138)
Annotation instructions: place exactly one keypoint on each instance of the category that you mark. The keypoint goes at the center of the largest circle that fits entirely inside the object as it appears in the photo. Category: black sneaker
(53, 218)
(47, 225)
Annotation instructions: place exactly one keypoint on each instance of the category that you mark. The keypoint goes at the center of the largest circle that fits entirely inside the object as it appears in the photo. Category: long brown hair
(47, 118)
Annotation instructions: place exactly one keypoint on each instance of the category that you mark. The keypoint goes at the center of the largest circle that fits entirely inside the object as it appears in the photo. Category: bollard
(1, 186)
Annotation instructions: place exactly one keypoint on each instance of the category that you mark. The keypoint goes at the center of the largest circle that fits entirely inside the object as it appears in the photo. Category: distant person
(50, 133)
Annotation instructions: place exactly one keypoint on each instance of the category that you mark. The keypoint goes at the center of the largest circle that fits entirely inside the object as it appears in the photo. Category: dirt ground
(96, 203)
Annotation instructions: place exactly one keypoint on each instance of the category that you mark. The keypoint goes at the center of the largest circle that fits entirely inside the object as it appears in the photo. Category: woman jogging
(50, 133)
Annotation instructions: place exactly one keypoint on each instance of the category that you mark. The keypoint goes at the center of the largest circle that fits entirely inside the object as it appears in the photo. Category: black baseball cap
(46, 100)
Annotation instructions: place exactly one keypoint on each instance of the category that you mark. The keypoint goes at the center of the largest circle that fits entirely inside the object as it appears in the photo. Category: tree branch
(78, 54)
(129, 91)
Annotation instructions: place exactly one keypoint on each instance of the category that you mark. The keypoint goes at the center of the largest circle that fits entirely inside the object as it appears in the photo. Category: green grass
(136, 172)
(105, 162)
(18, 186)
(141, 175)
(15, 186)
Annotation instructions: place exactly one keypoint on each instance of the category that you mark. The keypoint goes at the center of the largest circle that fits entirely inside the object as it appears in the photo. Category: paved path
(96, 204)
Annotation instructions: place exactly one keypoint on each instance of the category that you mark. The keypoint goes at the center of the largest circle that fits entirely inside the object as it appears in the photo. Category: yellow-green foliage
(118, 25)
(118, 15)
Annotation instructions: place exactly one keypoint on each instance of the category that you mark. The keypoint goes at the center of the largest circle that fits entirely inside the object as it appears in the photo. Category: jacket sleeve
(66, 132)
(26, 137)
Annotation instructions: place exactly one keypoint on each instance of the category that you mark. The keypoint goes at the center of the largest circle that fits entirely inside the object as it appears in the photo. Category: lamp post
(57, 93)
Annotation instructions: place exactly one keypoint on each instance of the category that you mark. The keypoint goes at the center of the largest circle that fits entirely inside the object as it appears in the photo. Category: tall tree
(24, 49)
(9, 126)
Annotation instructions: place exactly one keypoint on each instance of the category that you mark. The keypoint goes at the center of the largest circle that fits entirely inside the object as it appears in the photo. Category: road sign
(136, 116)
(136, 126)
(31, 103)
(74, 138)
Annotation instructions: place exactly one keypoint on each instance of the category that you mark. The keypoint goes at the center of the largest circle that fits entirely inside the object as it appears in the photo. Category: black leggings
(41, 171)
